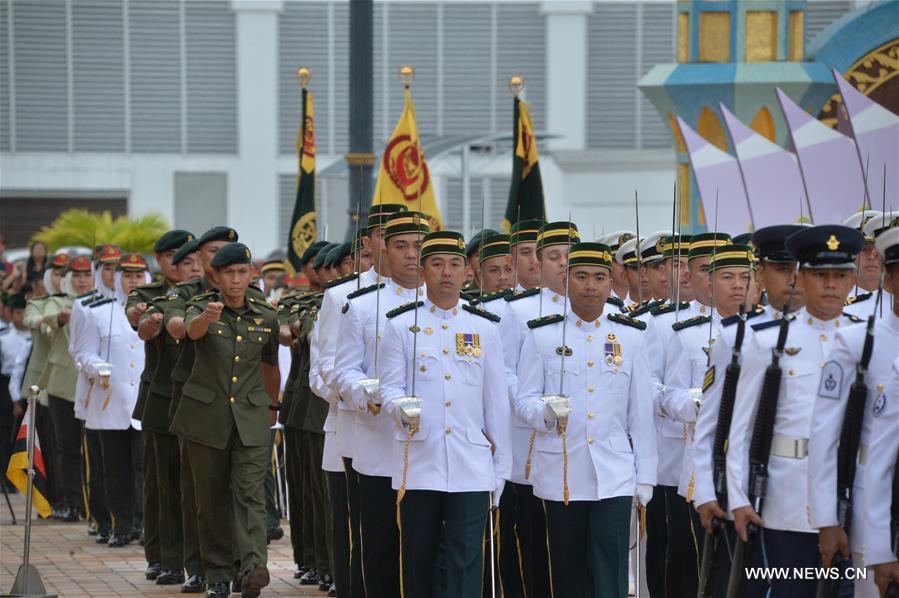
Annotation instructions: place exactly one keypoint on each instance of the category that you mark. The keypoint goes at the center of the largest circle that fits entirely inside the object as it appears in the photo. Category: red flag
(17, 471)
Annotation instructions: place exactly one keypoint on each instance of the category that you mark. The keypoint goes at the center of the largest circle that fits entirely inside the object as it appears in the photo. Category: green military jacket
(145, 294)
(287, 396)
(60, 374)
(308, 412)
(225, 387)
(40, 345)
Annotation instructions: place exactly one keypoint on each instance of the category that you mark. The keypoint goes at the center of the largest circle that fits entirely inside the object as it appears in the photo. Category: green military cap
(475, 242)
(704, 244)
(494, 246)
(132, 262)
(336, 254)
(230, 254)
(15, 301)
(378, 213)
(590, 254)
(525, 231)
(218, 233)
(311, 252)
(172, 240)
(400, 223)
(557, 233)
(676, 245)
(443, 241)
(322, 254)
(185, 250)
(732, 256)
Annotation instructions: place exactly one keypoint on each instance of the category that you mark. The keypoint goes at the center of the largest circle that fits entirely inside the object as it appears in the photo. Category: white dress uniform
(610, 433)
(328, 343)
(331, 460)
(111, 408)
(808, 343)
(707, 420)
(76, 325)
(864, 304)
(879, 472)
(837, 377)
(462, 444)
(356, 360)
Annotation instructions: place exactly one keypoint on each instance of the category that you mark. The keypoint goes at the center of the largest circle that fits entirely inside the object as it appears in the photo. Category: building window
(796, 36)
(683, 37)
(761, 36)
(714, 37)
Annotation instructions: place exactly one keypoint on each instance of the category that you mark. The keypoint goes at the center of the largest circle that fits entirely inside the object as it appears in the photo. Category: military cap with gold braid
(557, 233)
(443, 241)
(172, 239)
(827, 246)
(80, 263)
(732, 256)
(109, 254)
(132, 262)
(272, 266)
(402, 223)
(676, 245)
(525, 231)
(626, 254)
(860, 219)
(61, 260)
(705, 244)
(590, 254)
(230, 254)
(495, 245)
(378, 213)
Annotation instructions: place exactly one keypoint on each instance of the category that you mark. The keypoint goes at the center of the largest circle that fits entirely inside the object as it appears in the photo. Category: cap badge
(248, 254)
(231, 234)
(832, 243)
(461, 244)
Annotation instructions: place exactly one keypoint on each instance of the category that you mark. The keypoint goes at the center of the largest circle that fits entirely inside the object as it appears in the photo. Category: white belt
(862, 454)
(791, 448)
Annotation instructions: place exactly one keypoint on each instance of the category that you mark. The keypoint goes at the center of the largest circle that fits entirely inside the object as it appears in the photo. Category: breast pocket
(220, 340)
(427, 364)
(468, 369)
(616, 378)
(553, 375)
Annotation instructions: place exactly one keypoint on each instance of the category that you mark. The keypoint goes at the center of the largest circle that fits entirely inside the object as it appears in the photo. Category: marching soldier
(830, 410)
(523, 243)
(868, 266)
(620, 287)
(638, 293)
(271, 275)
(654, 268)
(495, 272)
(473, 259)
(229, 404)
(603, 452)
(361, 325)
(826, 256)
(451, 461)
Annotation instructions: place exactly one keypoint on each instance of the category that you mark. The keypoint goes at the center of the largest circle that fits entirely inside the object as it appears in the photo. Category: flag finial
(303, 76)
(407, 74)
(516, 84)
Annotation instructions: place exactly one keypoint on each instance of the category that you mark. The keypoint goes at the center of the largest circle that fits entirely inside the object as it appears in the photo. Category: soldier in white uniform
(826, 256)
(453, 460)
(868, 264)
(523, 242)
(588, 466)
(775, 272)
(361, 327)
(108, 338)
(654, 269)
(620, 287)
(837, 375)
(638, 287)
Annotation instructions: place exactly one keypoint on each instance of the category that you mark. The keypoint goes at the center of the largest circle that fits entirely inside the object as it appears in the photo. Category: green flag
(526, 191)
(302, 224)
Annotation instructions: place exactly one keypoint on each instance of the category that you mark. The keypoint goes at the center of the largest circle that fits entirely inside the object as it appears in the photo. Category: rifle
(719, 459)
(760, 451)
(847, 454)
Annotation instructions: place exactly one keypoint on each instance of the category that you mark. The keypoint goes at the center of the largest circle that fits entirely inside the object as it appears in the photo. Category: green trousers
(455, 521)
(150, 499)
(236, 471)
(193, 561)
(588, 545)
(168, 478)
(317, 524)
(293, 455)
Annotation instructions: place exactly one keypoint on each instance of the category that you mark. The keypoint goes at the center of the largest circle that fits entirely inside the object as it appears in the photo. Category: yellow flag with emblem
(303, 232)
(404, 177)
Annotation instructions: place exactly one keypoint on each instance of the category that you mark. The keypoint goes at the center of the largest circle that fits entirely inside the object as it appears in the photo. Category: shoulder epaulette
(404, 308)
(852, 317)
(150, 285)
(757, 310)
(90, 293)
(341, 280)
(765, 325)
(515, 296)
(365, 290)
(645, 309)
(551, 319)
(490, 297)
(101, 302)
(202, 296)
(858, 298)
(259, 303)
(185, 283)
(668, 308)
(59, 295)
(481, 312)
(690, 322)
(88, 297)
(627, 321)
(616, 301)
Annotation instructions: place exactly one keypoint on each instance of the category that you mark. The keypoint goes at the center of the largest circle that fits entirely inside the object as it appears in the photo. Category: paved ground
(71, 564)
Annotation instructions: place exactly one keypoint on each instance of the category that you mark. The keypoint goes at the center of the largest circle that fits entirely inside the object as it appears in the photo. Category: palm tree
(87, 229)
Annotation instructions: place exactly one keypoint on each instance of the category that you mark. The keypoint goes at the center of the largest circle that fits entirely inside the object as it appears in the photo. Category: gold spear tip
(407, 74)
(303, 76)
(516, 84)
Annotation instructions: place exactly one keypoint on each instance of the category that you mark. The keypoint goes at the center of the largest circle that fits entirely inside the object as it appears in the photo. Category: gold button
(449, 430)
(445, 351)
(219, 331)
(133, 346)
(590, 415)
(590, 364)
(590, 389)
(792, 373)
(424, 354)
(448, 403)
(239, 338)
(823, 338)
(837, 323)
(132, 384)
(702, 309)
(233, 378)
(578, 323)
(238, 318)
(231, 399)
(589, 440)
(880, 387)
(597, 323)
(237, 359)
(433, 309)
(447, 376)
(132, 364)
(444, 325)
(555, 298)
(810, 321)
(423, 368)
(589, 337)
(259, 339)
(455, 311)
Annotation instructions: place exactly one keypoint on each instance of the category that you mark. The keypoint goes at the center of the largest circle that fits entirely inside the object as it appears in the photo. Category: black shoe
(254, 581)
(275, 534)
(309, 578)
(135, 535)
(103, 538)
(118, 540)
(301, 571)
(324, 584)
(153, 570)
(70, 514)
(194, 585)
(218, 589)
(91, 528)
(170, 577)
(57, 512)
(333, 590)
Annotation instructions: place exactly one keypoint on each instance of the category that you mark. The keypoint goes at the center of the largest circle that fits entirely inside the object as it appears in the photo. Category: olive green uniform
(223, 417)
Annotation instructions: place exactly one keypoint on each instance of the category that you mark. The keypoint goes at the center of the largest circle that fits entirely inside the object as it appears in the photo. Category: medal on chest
(612, 350)
(468, 344)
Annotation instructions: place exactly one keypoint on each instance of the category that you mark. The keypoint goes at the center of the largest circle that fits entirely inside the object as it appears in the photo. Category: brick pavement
(72, 564)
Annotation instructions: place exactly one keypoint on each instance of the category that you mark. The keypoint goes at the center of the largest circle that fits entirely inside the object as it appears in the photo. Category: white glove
(644, 494)
(498, 492)
(549, 416)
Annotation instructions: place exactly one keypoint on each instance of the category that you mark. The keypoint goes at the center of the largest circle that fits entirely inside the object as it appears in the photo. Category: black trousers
(340, 532)
(451, 521)
(67, 449)
(722, 559)
(380, 537)
(522, 556)
(656, 543)
(293, 471)
(684, 544)
(167, 459)
(150, 499)
(357, 588)
(94, 480)
(588, 546)
(193, 561)
(775, 549)
(272, 509)
(123, 462)
(43, 424)
(318, 528)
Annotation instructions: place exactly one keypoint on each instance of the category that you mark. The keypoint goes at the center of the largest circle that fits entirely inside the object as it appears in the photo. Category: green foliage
(87, 229)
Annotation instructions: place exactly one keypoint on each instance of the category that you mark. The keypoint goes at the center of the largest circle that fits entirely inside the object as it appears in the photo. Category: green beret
(311, 252)
(336, 255)
(230, 254)
(322, 255)
(15, 301)
(218, 233)
(185, 250)
(172, 240)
